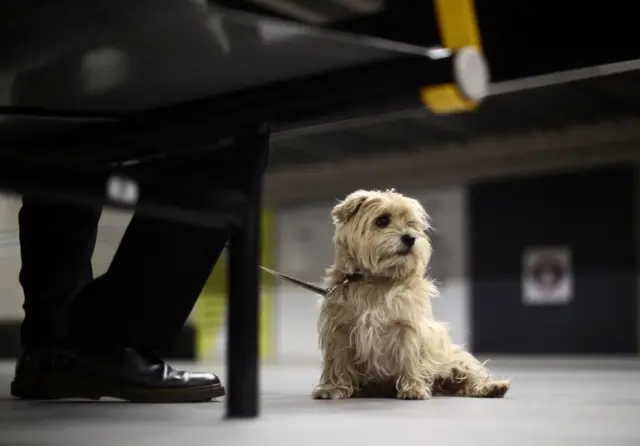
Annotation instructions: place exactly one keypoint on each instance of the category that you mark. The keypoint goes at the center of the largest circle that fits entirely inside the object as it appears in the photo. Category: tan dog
(377, 330)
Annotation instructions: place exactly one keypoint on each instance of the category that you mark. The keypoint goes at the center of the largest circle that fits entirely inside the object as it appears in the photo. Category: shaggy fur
(377, 331)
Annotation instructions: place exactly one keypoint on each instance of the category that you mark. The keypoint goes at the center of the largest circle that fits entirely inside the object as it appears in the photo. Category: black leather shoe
(123, 373)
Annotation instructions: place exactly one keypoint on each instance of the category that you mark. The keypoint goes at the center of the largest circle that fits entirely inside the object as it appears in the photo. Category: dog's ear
(345, 210)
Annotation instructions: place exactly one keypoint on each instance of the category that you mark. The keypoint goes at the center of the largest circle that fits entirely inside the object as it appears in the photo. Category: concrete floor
(552, 402)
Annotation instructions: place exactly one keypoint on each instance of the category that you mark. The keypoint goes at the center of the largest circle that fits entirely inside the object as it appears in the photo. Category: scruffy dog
(377, 329)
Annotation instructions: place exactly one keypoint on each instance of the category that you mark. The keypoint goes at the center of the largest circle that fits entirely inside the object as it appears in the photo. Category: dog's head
(381, 233)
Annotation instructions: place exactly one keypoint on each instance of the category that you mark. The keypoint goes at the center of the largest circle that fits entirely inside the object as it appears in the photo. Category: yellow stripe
(458, 27)
(267, 284)
(211, 307)
(445, 99)
(458, 23)
(210, 310)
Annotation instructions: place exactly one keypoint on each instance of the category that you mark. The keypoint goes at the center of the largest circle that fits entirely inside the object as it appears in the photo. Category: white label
(547, 276)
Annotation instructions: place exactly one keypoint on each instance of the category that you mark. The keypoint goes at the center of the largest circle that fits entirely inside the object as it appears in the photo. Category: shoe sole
(57, 387)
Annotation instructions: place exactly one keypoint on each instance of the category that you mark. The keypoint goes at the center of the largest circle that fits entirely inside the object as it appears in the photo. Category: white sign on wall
(547, 276)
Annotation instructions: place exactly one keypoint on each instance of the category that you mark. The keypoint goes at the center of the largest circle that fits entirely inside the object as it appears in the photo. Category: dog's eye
(383, 221)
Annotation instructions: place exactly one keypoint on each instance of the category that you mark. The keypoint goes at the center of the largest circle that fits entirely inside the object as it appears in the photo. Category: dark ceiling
(583, 102)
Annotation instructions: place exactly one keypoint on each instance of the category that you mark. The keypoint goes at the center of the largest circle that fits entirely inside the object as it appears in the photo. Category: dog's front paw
(414, 393)
(328, 392)
(411, 389)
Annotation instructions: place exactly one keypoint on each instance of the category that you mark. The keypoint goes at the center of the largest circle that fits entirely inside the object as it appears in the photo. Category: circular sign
(547, 272)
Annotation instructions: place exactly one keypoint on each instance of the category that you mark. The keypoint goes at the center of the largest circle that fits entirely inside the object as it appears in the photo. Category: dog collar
(345, 280)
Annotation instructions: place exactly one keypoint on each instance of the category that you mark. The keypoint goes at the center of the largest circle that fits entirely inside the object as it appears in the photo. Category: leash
(324, 292)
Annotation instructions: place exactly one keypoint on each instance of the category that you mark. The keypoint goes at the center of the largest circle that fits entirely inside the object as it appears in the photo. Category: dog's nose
(408, 240)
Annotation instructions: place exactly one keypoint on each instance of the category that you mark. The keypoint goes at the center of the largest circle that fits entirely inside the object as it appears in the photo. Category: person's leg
(154, 279)
(56, 245)
(142, 302)
(161, 266)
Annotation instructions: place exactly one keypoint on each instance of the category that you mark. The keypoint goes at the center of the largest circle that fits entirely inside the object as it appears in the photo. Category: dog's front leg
(414, 380)
(339, 379)
(335, 383)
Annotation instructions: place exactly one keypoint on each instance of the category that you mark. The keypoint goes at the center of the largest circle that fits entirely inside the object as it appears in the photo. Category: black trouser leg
(160, 267)
(151, 286)
(56, 244)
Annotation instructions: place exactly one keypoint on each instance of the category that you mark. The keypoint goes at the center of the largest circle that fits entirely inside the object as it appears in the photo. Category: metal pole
(243, 312)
